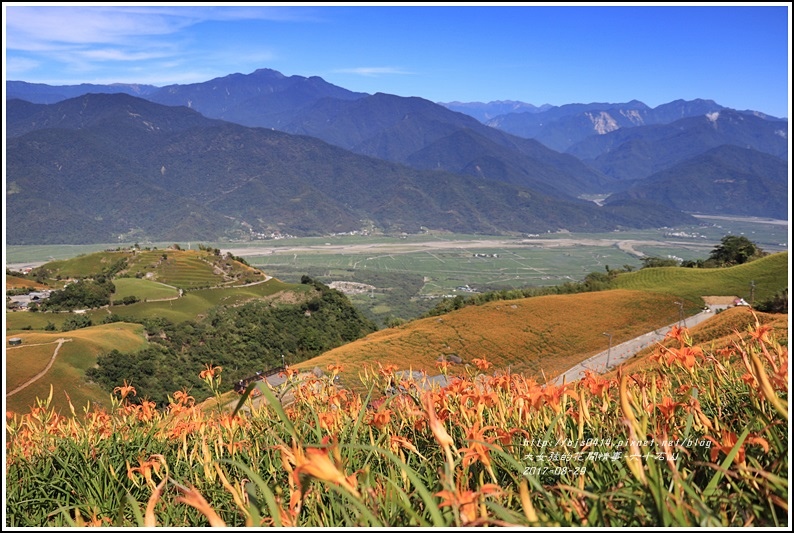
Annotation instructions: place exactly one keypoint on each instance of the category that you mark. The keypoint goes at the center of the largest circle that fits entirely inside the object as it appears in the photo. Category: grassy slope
(85, 265)
(73, 359)
(536, 335)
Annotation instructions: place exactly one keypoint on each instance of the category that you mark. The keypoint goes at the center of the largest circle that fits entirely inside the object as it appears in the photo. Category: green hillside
(766, 276)
(185, 269)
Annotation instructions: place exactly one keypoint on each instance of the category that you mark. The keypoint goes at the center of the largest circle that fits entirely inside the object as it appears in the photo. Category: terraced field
(184, 270)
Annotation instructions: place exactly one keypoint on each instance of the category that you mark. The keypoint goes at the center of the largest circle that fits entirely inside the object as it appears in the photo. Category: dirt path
(59, 342)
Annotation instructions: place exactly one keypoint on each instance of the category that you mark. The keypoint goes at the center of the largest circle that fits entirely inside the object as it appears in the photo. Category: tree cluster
(83, 294)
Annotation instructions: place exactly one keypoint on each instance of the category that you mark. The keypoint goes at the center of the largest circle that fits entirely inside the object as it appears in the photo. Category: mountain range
(262, 154)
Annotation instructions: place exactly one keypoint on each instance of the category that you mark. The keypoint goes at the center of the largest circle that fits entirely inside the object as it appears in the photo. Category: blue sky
(734, 54)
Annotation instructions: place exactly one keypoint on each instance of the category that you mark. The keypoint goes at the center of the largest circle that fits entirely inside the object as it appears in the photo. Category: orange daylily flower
(749, 379)
(686, 356)
(678, 333)
(387, 370)
(328, 420)
(182, 398)
(727, 442)
(316, 463)
(439, 431)
(667, 406)
(595, 383)
(145, 468)
(477, 451)
(506, 436)
(552, 394)
(482, 364)
(291, 372)
(466, 501)
(760, 332)
(381, 419)
(125, 390)
(443, 366)
(210, 371)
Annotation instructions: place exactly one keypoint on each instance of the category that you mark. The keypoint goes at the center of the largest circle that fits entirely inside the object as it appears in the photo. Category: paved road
(611, 358)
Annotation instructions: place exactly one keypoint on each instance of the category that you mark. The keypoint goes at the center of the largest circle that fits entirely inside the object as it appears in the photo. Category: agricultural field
(86, 264)
(177, 269)
(190, 269)
(444, 270)
(449, 262)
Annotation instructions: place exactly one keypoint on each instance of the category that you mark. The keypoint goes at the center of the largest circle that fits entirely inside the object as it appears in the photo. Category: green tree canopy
(735, 250)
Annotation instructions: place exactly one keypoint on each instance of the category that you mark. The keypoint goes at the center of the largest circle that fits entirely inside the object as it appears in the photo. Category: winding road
(608, 359)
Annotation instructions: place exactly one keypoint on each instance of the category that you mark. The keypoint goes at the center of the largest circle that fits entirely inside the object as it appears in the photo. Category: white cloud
(37, 28)
(373, 71)
(83, 42)
(109, 54)
(21, 64)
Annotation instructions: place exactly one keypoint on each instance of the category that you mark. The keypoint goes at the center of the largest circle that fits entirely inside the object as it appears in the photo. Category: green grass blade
(270, 499)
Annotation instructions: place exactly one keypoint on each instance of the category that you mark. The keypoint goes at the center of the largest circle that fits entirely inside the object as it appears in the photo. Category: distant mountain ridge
(109, 167)
(487, 111)
(615, 148)
(413, 131)
(636, 153)
(562, 127)
(736, 181)
(264, 98)
(40, 93)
